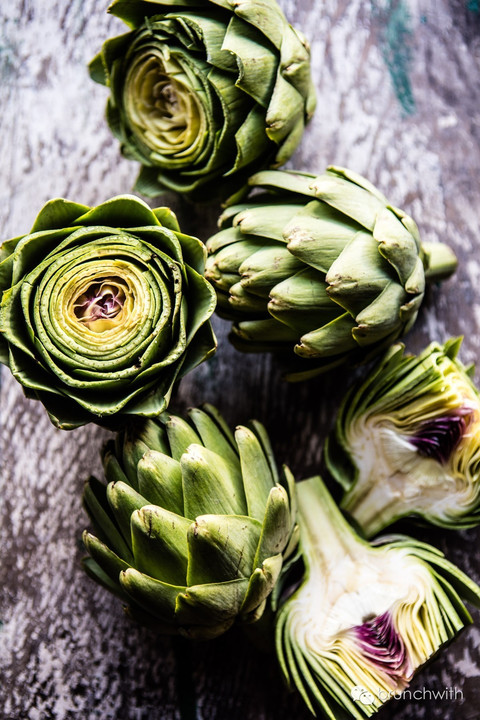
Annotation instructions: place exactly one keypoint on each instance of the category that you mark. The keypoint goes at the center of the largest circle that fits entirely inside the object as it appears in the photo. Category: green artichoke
(321, 265)
(194, 524)
(407, 442)
(365, 618)
(103, 308)
(204, 93)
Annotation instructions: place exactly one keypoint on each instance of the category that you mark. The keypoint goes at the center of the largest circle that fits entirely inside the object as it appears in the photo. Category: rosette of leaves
(322, 269)
(203, 94)
(366, 617)
(103, 308)
(194, 525)
(406, 441)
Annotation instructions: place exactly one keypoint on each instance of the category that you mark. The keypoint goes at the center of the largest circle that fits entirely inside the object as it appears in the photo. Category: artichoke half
(323, 266)
(194, 524)
(365, 618)
(407, 441)
(204, 94)
(103, 308)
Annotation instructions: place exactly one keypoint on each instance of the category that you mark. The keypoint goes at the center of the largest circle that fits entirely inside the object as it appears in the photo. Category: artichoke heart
(406, 442)
(365, 617)
(194, 524)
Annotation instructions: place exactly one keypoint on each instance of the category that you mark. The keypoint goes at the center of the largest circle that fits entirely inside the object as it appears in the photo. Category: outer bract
(365, 618)
(204, 93)
(321, 265)
(103, 308)
(407, 442)
(194, 524)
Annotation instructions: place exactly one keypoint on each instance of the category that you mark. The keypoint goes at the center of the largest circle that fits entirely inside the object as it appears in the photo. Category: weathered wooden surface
(399, 101)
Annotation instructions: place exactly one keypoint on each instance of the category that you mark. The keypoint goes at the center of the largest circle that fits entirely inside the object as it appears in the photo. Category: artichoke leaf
(262, 582)
(317, 234)
(282, 180)
(211, 605)
(211, 484)
(264, 331)
(98, 508)
(160, 480)
(359, 204)
(332, 339)
(256, 60)
(157, 597)
(108, 561)
(123, 501)
(265, 221)
(180, 435)
(123, 211)
(257, 477)
(221, 548)
(213, 435)
(159, 544)
(277, 525)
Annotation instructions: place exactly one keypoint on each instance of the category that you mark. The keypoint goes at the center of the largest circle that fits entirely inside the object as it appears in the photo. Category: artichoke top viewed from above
(322, 269)
(103, 308)
(365, 617)
(194, 525)
(407, 441)
(203, 94)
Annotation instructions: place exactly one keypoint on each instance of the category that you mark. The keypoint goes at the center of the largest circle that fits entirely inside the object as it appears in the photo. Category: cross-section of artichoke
(194, 524)
(322, 266)
(407, 441)
(103, 308)
(205, 93)
(365, 618)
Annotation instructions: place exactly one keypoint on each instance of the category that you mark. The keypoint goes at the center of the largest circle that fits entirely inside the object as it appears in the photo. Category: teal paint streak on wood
(393, 20)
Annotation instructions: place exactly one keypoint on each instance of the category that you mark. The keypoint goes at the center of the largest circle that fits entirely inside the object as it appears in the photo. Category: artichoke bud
(326, 257)
(406, 442)
(197, 539)
(204, 96)
(103, 309)
(365, 618)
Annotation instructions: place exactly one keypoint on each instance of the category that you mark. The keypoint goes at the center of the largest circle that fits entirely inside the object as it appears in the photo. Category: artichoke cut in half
(194, 524)
(323, 267)
(406, 442)
(103, 308)
(365, 617)
(203, 94)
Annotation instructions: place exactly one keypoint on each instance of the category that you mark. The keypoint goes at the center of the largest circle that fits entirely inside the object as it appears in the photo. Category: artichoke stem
(442, 261)
(372, 508)
(325, 533)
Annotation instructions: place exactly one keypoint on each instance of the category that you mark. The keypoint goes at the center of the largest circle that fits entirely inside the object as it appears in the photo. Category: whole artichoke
(406, 441)
(205, 93)
(321, 265)
(103, 308)
(194, 524)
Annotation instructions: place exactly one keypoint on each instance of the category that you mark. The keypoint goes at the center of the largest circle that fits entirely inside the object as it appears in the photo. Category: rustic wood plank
(399, 101)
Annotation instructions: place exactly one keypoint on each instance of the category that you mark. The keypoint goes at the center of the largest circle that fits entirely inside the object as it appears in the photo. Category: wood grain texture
(399, 101)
